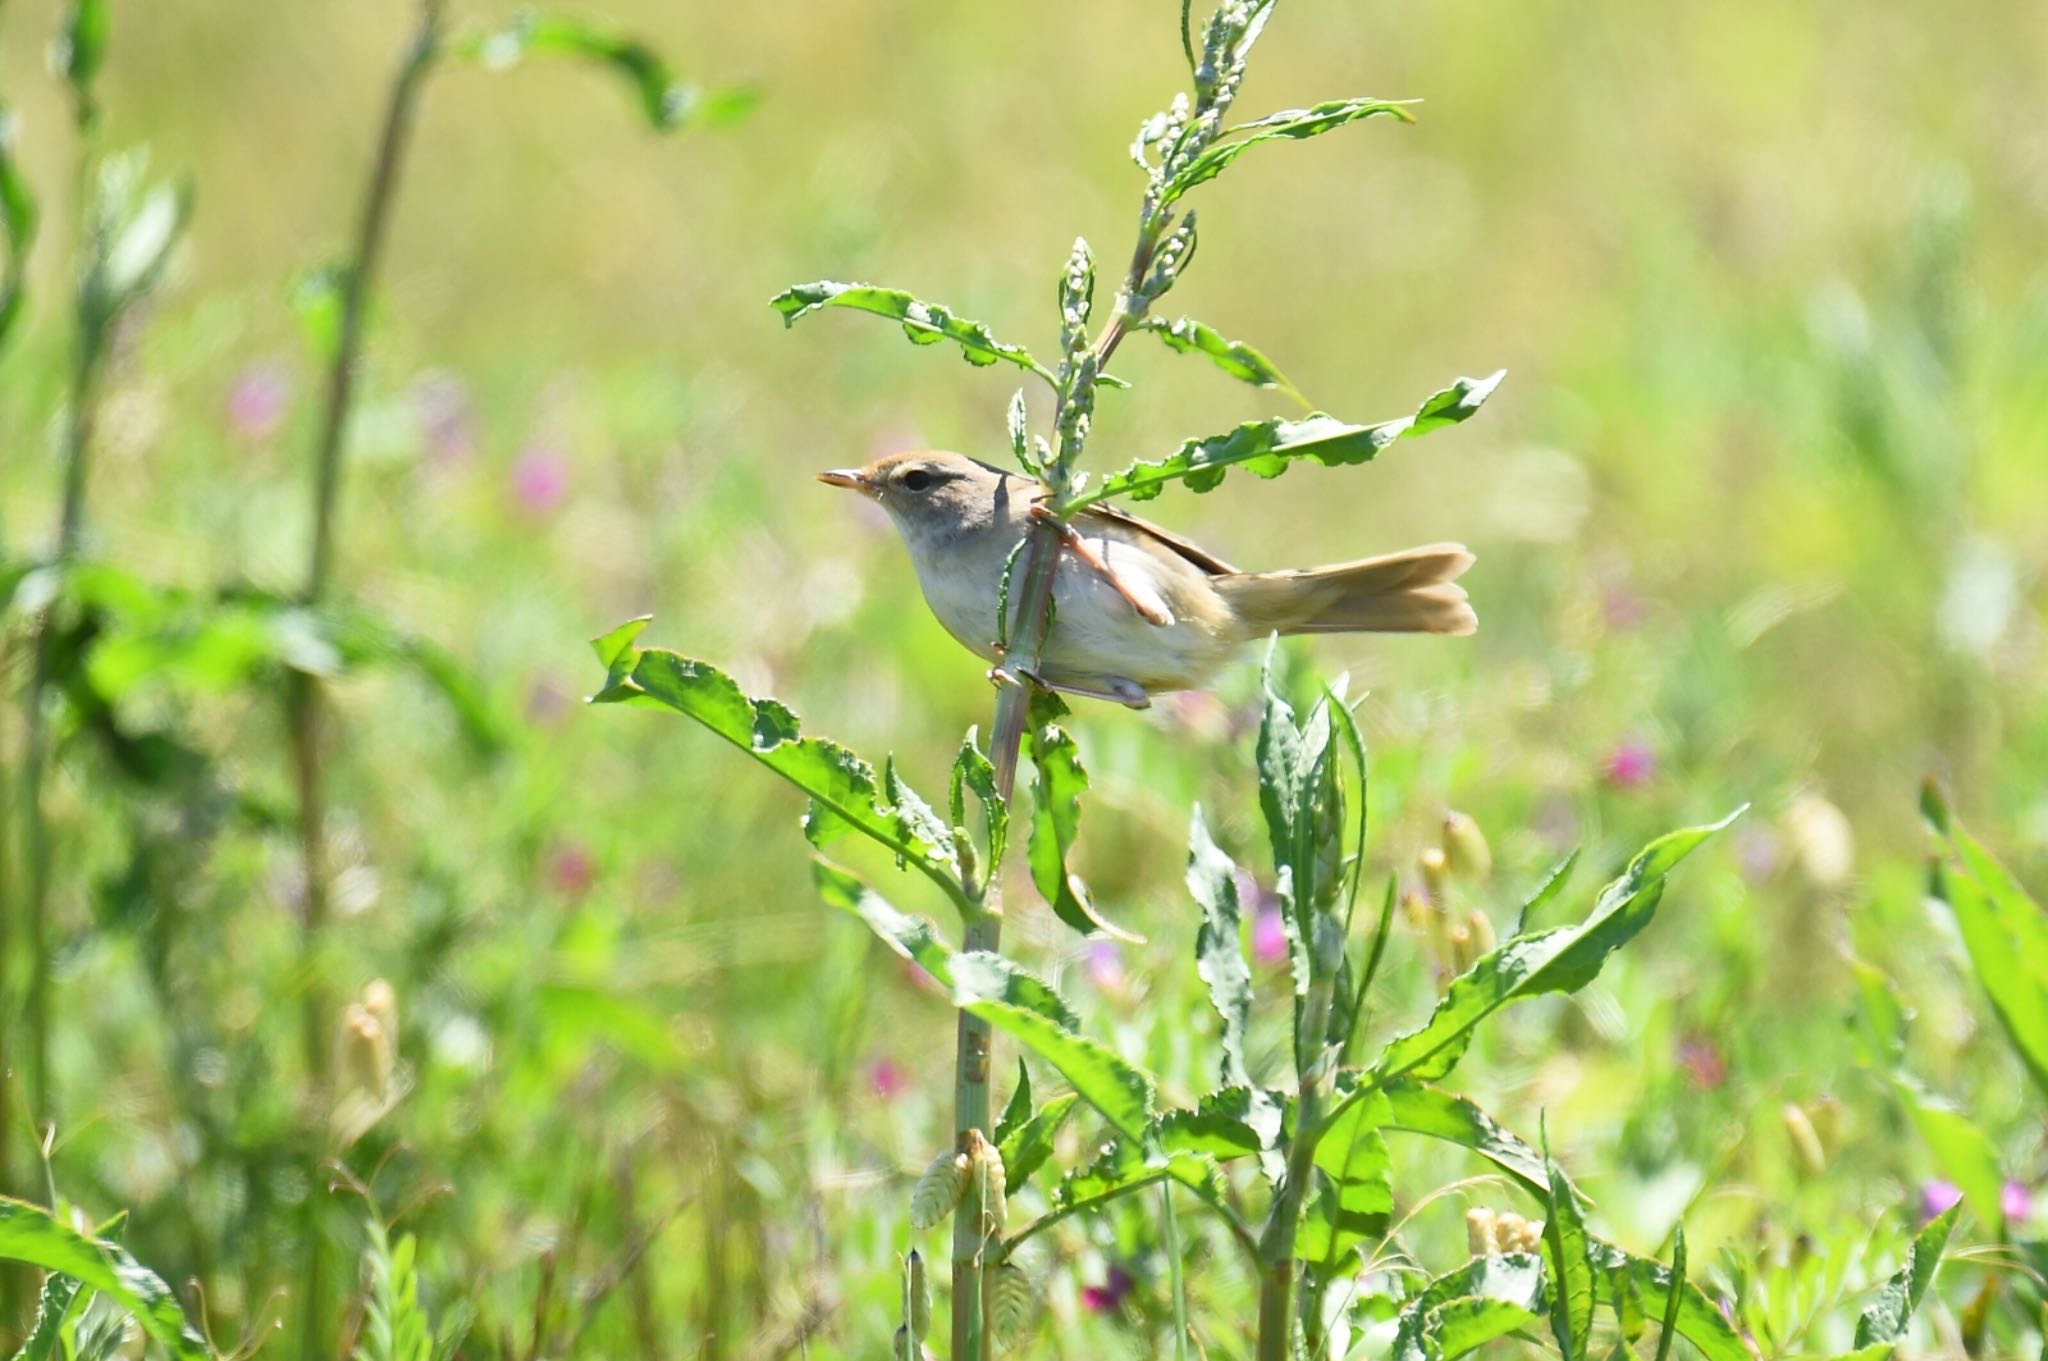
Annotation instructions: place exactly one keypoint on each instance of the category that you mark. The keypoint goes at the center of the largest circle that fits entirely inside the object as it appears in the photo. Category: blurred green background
(1759, 515)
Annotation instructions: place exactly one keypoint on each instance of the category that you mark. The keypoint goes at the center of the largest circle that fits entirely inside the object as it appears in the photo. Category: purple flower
(887, 1080)
(1106, 965)
(1622, 608)
(546, 703)
(571, 870)
(1110, 1295)
(1936, 1196)
(2015, 1202)
(1704, 1067)
(1631, 765)
(447, 423)
(1269, 936)
(258, 400)
(540, 479)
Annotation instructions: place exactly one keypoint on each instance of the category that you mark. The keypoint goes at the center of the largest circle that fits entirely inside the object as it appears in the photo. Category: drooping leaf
(1563, 959)
(1055, 823)
(1419, 1108)
(1463, 1310)
(30, 1234)
(1568, 1250)
(17, 226)
(665, 99)
(1291, 124)
(1644, 1288)
(1268, 448)
(1219, 945)
(1230, 1122)
(925, 323)
(1031, 1143)
(1966, 1154)
(1885, 1318)
(1031, 1012)
(1234, 357)
(58, 1302)
(843, 789)
(2005, 931)
(1122, 1168)
(914, 938)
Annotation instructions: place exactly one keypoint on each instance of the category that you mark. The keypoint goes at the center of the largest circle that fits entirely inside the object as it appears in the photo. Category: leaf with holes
(1288, 124)
(926, 323)
(1234, 357)
(664, 98)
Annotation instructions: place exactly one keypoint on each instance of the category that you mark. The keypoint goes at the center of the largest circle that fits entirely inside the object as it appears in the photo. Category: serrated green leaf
(1419, 1108)
(1017, 1110)
(1563, 959)
(914, 938)
(1288, 124)
(972, 770)
(1219, 945)
(1033, 1013)
(1568, 1251)
(925, 323)
(1234, 357)
(59, 1301)
(843, 789)
(1268, 448)
(1055, 823)
(30, 1234)
(1885, 1318)
(1462, 1310)
(1030, 1144)
(665, 99)
(1122, 1168)
(1289, 761)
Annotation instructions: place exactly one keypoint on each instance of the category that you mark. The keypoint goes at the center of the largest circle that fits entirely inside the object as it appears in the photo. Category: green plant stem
(303, 694)
(1174, 1268)
(1276, 1244)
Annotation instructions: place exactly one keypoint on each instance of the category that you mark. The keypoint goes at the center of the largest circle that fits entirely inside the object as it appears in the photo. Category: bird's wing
(1166, 538)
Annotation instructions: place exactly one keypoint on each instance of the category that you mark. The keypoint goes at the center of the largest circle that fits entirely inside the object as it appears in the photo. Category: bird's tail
(1414, 591)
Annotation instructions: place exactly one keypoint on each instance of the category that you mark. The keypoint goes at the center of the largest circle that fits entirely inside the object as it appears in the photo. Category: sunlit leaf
(1356, 1199)
(81, 49)
(1966, 1155)
(1563, 959)
(17, 226)
(665, 99)
(1234, 357)
(1268, 448)
(30, 1234)
(1122, 1168)
(1465, 1309)
(1885, 1318)
(925, 323)
(914, 938)
(1647, 1288)
(1029, 1145)
(1419, 1108)
(1567, 1249)
(2005, 931)
(1036, 1016)
(843, 788)
(1291, 124)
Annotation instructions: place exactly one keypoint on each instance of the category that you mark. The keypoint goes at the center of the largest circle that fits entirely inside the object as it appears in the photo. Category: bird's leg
(1095, 562)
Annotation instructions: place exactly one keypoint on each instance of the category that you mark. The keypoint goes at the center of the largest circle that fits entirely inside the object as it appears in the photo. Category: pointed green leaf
(916, 939)
(1356, 1199)
(1037, 1017)
(81, 50)
(1568, 1250)
(1885, 1318)
(1669, 1332)
(1563, 959)
(925, 323)
(843, 789)
(1234, 357)
(1638, 1285)
(1419, 1108)
(1030, 1144)
(1268, 448)
(665, 99)
(1018, 1111)
(1219, 945)
(29, 1234)
(1966, 1154)
(2006, 933)
(1121, 1168)
(1292, 124)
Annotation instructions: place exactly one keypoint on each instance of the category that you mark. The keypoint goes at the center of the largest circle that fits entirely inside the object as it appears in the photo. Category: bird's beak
(852, 478)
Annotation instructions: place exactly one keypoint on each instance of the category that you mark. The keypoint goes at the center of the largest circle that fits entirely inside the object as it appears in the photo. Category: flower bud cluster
(1077, 297)
(1491, 1235)
(1458, 939)
(1173, 256)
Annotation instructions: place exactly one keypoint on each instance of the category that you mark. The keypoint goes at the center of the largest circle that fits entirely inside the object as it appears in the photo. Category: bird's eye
(917, 479)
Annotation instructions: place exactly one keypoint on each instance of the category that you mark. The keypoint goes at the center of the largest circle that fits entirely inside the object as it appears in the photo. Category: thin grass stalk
(303, 696)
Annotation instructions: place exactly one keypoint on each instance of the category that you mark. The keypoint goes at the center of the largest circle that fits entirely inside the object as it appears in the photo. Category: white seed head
(1012, 1303)
(938, 1190)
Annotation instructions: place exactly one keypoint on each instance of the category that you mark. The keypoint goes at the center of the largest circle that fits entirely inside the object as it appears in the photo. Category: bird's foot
(1115, 689)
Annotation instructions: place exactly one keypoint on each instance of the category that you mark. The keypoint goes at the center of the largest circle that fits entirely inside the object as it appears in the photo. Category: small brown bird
(1136, 609)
